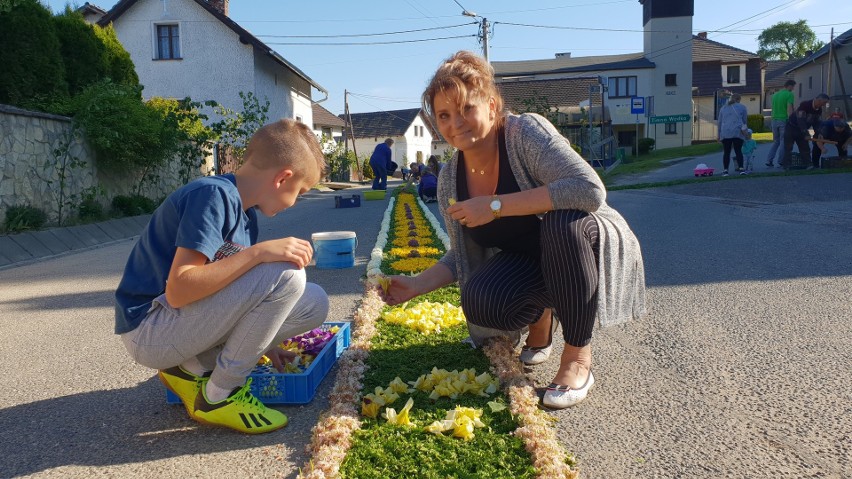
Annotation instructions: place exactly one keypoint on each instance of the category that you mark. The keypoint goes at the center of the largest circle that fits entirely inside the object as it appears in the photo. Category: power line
(367, 43)
(368, 34)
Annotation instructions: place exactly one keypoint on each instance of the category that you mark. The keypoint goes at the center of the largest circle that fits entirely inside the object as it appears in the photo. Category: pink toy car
(703, 170)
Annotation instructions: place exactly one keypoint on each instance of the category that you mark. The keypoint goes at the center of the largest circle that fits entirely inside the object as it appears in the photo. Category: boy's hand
(279, 357)
(293, 250)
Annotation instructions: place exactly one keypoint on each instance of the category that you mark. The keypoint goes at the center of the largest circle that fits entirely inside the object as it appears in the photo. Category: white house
(408, 128)
(660, 77)
(191, 48)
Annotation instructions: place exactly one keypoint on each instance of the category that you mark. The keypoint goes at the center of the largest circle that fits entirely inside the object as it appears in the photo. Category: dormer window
(733, 75)
(168, 42)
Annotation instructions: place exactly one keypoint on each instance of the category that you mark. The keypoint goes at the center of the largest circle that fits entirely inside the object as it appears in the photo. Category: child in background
(749, 146)
(201, 300)
(428, 187)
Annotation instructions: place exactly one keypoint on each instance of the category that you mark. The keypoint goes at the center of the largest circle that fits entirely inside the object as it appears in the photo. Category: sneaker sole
(247, 431)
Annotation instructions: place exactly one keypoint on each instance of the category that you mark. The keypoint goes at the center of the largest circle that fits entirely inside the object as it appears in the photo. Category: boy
(748, 151)
(202, 301)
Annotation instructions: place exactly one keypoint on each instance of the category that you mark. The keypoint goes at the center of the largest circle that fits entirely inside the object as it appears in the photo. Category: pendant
(481, 172)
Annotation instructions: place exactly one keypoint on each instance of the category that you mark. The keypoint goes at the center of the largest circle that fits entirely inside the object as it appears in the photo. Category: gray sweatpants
(230, 330)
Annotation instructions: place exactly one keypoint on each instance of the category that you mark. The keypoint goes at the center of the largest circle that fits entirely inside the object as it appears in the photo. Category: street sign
(669, 119)
(637, 105)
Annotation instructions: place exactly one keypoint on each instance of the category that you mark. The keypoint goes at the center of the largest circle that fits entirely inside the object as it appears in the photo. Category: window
(299, 119)
(326, 131)
(810, 83)
(800, 90)
(622, 87)
(671, 79)
(671, 128)
(733, 75)
(168, 42)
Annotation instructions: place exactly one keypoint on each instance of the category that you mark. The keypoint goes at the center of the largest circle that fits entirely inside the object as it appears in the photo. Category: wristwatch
(496, 206)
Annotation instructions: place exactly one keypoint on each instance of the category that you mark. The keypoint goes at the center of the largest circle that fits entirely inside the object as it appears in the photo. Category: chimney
(221, 5)
(702, 35)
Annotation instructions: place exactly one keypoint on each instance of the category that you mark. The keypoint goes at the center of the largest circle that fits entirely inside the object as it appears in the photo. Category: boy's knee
(317, 298)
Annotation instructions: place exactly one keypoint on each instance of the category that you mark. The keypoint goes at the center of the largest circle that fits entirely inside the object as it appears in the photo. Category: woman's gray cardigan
(539, 155)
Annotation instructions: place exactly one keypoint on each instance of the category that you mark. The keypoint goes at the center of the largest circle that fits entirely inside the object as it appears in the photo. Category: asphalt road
(741, 368)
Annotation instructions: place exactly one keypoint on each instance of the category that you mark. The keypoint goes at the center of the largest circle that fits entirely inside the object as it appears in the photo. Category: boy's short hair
(286, 144)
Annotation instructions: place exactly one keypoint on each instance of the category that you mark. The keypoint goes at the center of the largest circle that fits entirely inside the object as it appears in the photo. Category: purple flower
(414, 243)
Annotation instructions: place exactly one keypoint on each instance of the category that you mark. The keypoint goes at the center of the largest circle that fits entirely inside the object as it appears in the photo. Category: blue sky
(392, 76)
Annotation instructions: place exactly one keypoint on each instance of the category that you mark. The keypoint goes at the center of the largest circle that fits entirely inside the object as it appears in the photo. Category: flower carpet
(411, 399)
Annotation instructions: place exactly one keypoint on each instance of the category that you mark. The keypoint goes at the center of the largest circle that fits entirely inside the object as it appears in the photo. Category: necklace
(481, 172)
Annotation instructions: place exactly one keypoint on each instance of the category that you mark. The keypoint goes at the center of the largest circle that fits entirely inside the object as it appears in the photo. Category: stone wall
(28, 166)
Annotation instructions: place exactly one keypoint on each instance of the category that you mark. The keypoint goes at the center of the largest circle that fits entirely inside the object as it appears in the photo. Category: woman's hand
(399, 290)
(473, 212)
(280, 357)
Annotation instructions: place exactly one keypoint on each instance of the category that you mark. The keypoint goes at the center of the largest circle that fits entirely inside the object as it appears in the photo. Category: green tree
(31, 72)
(191, 140)
(235, 129)
(119, 66)
(83, 53)
(787, 41)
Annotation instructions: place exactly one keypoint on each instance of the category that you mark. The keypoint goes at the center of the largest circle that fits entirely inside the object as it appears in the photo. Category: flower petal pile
(426, 317)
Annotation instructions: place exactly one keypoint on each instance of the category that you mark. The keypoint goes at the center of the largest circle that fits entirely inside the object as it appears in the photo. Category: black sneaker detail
(245, 421)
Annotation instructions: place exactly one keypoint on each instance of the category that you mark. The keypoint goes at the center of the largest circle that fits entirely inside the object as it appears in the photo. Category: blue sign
(637, 105)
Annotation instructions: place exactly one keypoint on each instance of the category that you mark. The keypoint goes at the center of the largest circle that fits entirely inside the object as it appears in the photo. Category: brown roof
(568, 64)
(547, 93)
(704, 50)
(324, 117)
(775, 73)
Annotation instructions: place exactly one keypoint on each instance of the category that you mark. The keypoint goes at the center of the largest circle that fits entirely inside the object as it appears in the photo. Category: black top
(806, 116)
(518, 234)
(829, 133)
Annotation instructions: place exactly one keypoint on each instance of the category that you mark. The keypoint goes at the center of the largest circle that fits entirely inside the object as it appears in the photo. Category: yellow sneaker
(183, 383)
(240, 411)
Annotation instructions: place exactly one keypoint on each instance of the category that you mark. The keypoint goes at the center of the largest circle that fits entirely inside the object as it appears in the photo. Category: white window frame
(155, 37)
(742, 74)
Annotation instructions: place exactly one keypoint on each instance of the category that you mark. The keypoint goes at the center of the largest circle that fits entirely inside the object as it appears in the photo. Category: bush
(756, 123)
(133, 205)
(32, 73)
(82, 52)
(24, 217)
(646, 145)
(367, 170)
(91, 210)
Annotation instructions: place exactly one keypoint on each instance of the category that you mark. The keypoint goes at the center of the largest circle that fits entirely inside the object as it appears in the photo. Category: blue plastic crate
(347, 202)
(277, 388)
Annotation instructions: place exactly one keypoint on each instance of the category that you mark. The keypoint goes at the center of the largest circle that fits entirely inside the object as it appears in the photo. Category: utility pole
(351, 131)
(483, 31)
(830, 55)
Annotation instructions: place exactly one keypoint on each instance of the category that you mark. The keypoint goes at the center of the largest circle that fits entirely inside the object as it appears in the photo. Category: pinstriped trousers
(227, 332)
(511, 290)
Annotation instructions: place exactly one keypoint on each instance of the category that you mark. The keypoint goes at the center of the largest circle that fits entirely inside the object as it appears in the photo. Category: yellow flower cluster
(373, 401)
(426, 317)
(443, 383)
(413, 265)
(421, 250)
(461, 420)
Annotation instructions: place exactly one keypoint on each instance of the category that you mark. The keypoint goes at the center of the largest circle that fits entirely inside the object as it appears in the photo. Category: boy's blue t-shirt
(205, 215)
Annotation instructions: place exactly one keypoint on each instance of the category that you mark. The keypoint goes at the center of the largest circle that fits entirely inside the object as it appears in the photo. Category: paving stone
(53, 243)
(12, 251)
(31, 245)
(68, 239)
(90, 235)
(142, 221)
(110, 229)
(128, 226)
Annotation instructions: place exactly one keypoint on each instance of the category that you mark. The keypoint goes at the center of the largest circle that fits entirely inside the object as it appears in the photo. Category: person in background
(808, 115)
(783, 102)
(416, 171)
(835, 130)
(749, 146)
(733, 123)
(380, 162)
(434, 164)
(201, 300)
(533, 243)
(428, 187)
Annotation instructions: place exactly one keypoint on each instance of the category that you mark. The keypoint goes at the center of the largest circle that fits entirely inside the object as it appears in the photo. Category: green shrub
(646, 145)
(83, 53)
(91, 210)
(24, 217)
(119, 66)
(133, 205)
(367, 170)
(756, 123)
(32, 73)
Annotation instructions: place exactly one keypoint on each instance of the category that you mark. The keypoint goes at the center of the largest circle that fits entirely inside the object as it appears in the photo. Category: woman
(529, 229)
(733, 123)
(434, 164)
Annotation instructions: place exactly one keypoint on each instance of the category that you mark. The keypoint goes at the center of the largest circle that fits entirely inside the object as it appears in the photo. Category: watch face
(495, 205)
